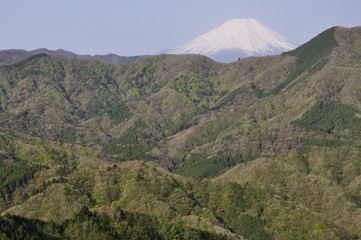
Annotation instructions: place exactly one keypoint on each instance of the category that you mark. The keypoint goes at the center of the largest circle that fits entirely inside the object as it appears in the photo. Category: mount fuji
(236, 38)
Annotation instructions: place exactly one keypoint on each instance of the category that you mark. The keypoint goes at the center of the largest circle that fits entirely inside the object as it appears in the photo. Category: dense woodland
(182, 147)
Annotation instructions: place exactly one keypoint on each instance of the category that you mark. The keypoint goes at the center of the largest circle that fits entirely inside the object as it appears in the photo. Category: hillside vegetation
(182, 147)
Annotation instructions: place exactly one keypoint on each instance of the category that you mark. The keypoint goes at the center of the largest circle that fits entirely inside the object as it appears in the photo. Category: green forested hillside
(182, 147)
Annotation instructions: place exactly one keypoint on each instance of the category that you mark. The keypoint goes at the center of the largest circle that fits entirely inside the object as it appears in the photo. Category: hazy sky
(135, 27)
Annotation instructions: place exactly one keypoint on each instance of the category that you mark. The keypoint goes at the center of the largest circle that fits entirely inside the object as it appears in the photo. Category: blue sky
(135, 27)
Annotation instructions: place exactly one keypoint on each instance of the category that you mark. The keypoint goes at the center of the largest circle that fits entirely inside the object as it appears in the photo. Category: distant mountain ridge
(237, 38)
(12, 56)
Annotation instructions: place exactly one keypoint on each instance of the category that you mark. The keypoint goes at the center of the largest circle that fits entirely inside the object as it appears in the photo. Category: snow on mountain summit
(237, 38)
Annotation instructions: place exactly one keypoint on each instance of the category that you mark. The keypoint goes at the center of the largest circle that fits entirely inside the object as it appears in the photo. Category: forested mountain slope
(263, 148)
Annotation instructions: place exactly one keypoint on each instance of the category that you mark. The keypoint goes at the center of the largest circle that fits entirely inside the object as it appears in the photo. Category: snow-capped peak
(246, 36)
